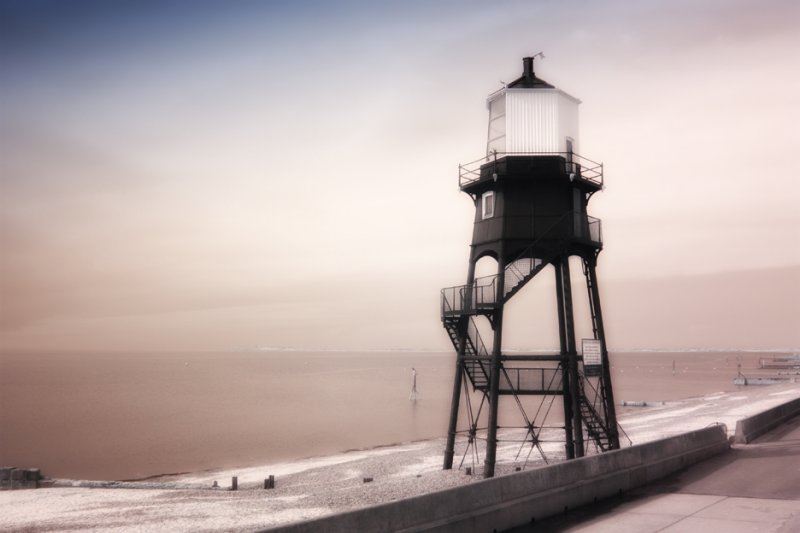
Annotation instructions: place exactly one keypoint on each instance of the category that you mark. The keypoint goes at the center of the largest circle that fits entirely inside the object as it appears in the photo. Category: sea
(135, 415)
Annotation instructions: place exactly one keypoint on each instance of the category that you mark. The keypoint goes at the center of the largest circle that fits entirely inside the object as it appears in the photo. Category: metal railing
(540, 380)
(517, 271)
(475, 337)
(595, 229)
(577, 165)
(597, 406)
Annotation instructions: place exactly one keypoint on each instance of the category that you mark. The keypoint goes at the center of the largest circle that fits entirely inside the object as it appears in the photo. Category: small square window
(487, 205)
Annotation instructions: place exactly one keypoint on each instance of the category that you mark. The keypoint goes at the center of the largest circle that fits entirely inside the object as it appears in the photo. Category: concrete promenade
(753, 487)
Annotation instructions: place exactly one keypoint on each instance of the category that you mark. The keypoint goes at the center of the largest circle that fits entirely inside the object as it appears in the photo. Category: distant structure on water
(531, 193)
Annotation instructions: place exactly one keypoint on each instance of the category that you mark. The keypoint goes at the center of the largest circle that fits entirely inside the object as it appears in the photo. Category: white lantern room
(530, 116)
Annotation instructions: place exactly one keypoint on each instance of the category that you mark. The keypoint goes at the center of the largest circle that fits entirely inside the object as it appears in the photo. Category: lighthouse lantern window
(487, 205)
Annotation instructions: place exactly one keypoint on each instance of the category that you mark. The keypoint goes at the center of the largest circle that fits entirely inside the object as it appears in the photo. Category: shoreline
(632, 406)
(153, 416)
(317, 486)
(287, 461)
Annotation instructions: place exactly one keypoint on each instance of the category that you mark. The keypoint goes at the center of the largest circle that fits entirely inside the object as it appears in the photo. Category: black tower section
(530, 213)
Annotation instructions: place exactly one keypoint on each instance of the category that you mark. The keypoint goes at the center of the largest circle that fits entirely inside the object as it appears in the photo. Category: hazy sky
(189, 174)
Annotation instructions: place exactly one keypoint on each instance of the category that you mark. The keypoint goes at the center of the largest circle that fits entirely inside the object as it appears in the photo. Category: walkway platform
(751, 488)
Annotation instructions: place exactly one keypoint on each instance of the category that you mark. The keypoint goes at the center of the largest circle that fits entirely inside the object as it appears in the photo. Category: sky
(187, 175)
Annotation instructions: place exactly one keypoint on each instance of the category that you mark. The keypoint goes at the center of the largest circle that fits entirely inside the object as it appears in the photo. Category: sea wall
(754, 426)
(516, 499)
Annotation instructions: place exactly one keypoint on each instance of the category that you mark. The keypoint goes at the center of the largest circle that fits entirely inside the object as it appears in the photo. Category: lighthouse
(531, 192)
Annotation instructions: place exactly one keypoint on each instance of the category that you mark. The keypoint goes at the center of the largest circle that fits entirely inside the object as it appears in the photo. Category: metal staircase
(476, 357)
(596, 427)
(481, 296)
(460, 304)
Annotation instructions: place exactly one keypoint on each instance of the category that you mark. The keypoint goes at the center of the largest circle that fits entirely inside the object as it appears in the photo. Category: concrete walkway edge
(754, 426)
(507, 501)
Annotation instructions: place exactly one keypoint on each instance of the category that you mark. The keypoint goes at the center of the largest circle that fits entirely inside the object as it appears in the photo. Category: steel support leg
(494, 383)
(607, 390)
(569, 446)
(572, 359)
(449, 450)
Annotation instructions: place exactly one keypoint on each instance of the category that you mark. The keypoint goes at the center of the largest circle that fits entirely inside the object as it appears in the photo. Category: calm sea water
(133, 415)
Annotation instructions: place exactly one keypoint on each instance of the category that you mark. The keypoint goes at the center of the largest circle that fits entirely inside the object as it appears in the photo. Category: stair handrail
(619, 427)
(524, 253)
(582, 380)
(477, 340)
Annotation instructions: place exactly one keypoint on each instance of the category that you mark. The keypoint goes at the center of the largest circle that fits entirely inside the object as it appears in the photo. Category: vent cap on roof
(529, 79)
